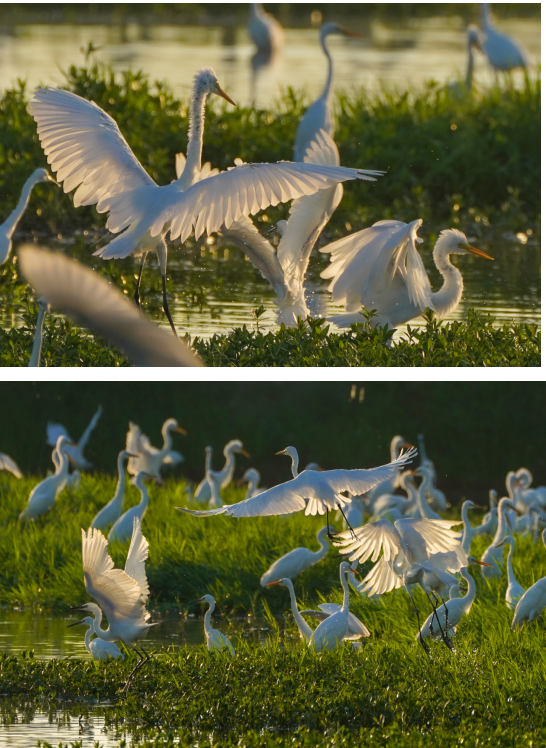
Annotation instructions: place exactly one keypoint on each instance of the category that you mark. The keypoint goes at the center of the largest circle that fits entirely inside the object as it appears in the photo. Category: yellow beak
(477, 252)
(244, 453)
(224, 95)
(181, 430)
(352, 33)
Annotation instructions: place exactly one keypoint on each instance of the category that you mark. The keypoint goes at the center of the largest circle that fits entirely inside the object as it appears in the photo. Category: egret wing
(54, 431)
(282, 499)
(6, 463)
(371, 539)
(173, 458)
(206, 169)
(85, 147)
(382, 578)
(87, 433)
(135, 565)
(91, 302)
(359, 481)
(437, 533)
(355, 626)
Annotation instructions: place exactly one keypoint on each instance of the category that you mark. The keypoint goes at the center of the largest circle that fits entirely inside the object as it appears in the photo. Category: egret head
(290, 452)
(472, 560)
(507, 539)
(250, 475)
(471, 505)
(205, 599)
(493, 497)
(345, 567)
(42, 175)
(171, 424)
(235, 446)
(335, 28)
(92, 608)
(473, 35)
(208, 450)
(87, 621)
(279, 229)
(284, 582)
(454, 242)
(206, 82)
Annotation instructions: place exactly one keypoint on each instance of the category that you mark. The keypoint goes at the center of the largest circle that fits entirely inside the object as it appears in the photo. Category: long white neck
(509, 567)
(10, 224)
(467, 532)
(103, 634)
(208, 614)
(208, 460)
(448, 297)
(407, 485)
(120, 488)
(144, 496)
(424, 508)
(295, 463)
(321, 537)
(88, 635)
(36, 354)
(345, 584)
(468, 599)
(503, 528)
(229, 467)
(327, 91)
(486, 18)
(306, 632)
(195, 137)
(167, 438)
(470, 66)
(61, 470)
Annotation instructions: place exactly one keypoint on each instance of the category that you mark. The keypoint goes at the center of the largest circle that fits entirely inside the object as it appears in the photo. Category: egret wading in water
(216, 641)
(97, 648)
(124, 526)
(43, 495)
(379, 268)
(74, 451)
(503, 52)
(121, 594)
(87, 151)
(112, 511)
(224, 476)
(320, 116)
(150, 459)
(7, 229)
(316, 492)
(298, 560)
(264, 30)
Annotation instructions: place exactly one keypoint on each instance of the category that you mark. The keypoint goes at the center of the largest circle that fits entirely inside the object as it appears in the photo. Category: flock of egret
(377, 268)
(408, 541)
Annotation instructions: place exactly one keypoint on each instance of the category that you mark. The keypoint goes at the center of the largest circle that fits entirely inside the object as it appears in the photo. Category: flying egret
(91, 302)
(379, 268)
(43, 495)
(112, 511)
(123, 527)
(322, 491)
(514, 591)
(319, 116)
(494, 554)
(7, 229)
(87, 150)
(97, 648)
(296, 561)
(469, 532)
(150, 459)
(388, 486)
(330, 633)
(75, 452)
(216, 641)
(36, 353)
(532, 603)
(252, 478)
(503, 52)
(223, 476)
(6, 463)
(264, 30)
(121, 594)
(435, 497)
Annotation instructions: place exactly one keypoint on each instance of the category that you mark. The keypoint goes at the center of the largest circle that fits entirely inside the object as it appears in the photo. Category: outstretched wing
(6, 463)
(87, 433)
(206, 169)
(437, 533)
(359, 481)
(54, 431)
(85, 147)
(135, 565)
(282, 499)
(370, 540)
(382, 578)
(90, 301)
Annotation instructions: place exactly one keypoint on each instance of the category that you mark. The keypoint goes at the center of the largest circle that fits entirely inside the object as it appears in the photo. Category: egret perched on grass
(514, 591)
(123, 527)
(330, 633)
(319, 116)
(87, 151)
(91, 302)
(494, 554)
(379, 268)
(528, 495)
(7, 229)
(151, 459)
(223, 476)
(264, 30)
(532, 603)
(75, 452)
(503, 52)
(216, 641)
(97, 648)
(6, 463)
(316, 492)
(112, 511)
(121, 594)
(296, 561)
(43, 495)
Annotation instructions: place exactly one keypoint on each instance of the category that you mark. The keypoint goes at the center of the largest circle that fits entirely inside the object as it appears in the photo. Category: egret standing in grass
(532, 603)
(151, 459)
(296, 561)
(216, 641)
(494, 554)
(112, 511)
(330, 633)
(44, 494)
(514, 591)
(225, 475)
(123, 527)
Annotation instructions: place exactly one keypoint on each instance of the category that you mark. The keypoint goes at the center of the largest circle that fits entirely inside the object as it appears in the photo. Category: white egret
(330, 633)
(305, 631)
(530, 522)
(532, 603)
(214, 484)
(319, 116)
(97, 648)
(528, 494)
(264, 30)
(216, 641)
(460, 88)
(121, 594)
(321, 490)
(7, 229)
(296, 561)
(503, 52)
(435, 497)
(426, 511)
(36, 353)
(87, 150)
(355, 629)
(91, 302)
(388, 486)
(225, 475)
(74, 452)
(6, 463)
(151, 459)
(490, 521)
(252, 478)
(112, 511)
(514, 590)
(494, 554)
(124, 526)
(42, 496)
(469, 532)
(397, 505)
(379, 268)
(354, 512)
(73, 479)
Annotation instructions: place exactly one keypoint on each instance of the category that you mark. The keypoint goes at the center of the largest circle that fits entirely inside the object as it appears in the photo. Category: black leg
(347, 521)
(166, 305)
(425, 646)
(137, 290)
(443, 633)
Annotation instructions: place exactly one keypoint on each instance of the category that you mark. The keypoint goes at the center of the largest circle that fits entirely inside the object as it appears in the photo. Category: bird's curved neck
(195, 138)
(327, 90)
(11, 223)
(323, 550)
(62, 465)
(469, 66)
(101, 633)
(492, 502)
(486, 18)
(144, 496)
(208, 614)
(407, 485)
(306, 632)
(295, 464)
(503, 527)
(167, 438)
(509, 567)
(36, 354)
(208, 460)
(229, 466)
(345, 583)
(449, 296)
(421, 496)
(88, 635)
(422, 453)
(120, 488)
(468, 599)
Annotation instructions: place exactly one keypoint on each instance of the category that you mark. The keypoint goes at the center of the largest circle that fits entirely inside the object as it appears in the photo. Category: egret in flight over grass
(216, 641)
(7, 229)
(380, 268)
(503, 52)
(151, 459)
(97, 648)
(6, 463)
(91, 302)
(315, 491)
(44, 494)
(296, 561)
(87, 151)
(75, 453)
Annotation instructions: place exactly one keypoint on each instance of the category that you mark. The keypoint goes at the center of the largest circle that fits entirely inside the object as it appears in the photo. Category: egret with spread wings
(75, 451)
(380, 268)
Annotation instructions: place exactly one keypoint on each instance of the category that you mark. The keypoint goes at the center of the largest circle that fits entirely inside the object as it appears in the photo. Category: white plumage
(532, 602)
(43, 495)
(222, 477)
(97, 648)
(150, 459)
(296, 561)
(74, 451)
(112, 510)
(503, 52)
(6, 463)
(123, 527)
(216, 641)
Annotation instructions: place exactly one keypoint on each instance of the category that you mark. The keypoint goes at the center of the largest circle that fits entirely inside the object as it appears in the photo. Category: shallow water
(420, 50)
